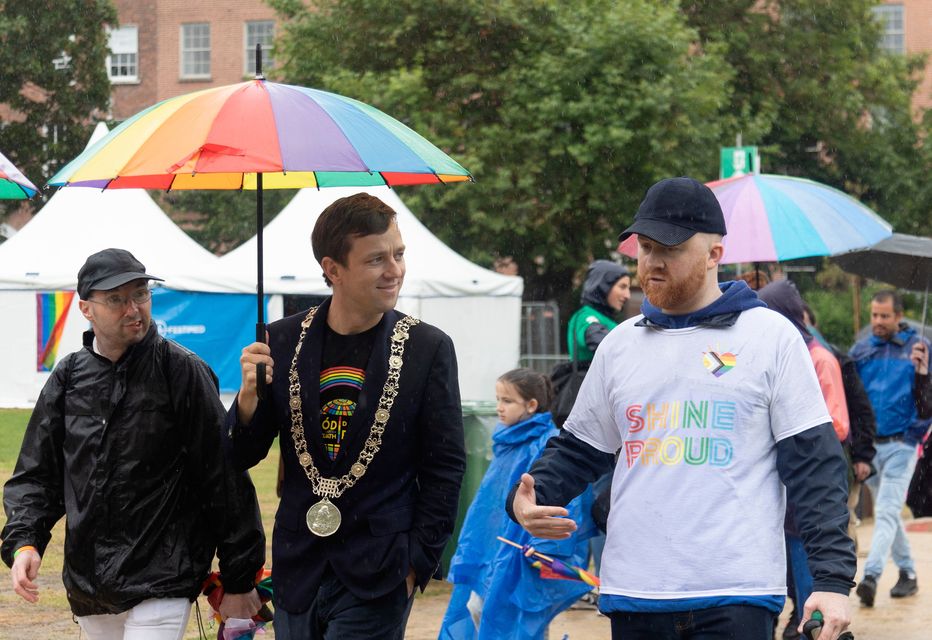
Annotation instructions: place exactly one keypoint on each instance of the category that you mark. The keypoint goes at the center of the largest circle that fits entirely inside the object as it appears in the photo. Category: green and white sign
(738, 161)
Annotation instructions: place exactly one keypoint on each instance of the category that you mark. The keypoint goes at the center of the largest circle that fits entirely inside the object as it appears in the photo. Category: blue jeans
(740, 622)
(895, 463)
(336, 614)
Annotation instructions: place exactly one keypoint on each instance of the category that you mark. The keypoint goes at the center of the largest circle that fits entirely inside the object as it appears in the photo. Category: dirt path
(906, 619)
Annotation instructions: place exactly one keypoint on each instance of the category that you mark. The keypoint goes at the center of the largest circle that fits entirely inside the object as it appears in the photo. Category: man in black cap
(711, 404)
(125, 442)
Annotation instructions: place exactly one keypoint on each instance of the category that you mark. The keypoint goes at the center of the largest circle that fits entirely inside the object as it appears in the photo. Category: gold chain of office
(334, 487)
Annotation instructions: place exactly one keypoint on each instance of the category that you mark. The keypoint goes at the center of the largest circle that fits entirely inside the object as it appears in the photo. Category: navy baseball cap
(109, 269)
(674, 210)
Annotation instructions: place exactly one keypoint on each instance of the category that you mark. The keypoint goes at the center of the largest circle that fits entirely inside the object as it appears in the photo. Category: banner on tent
(51, 314)
(215, 326)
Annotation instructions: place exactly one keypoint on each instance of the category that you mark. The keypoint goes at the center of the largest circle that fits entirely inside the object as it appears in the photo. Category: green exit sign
(738, 161)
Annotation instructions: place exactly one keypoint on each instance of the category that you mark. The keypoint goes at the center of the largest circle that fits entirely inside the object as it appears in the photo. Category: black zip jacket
(131, 453)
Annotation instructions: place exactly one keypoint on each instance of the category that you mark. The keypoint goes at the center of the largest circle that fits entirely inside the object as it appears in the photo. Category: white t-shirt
(695, 415)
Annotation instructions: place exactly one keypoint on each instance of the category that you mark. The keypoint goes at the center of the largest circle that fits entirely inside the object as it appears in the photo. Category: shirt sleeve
(592, 419)
(796, 401)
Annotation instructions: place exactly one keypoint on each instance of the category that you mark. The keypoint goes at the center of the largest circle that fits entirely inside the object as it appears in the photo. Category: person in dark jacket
(365, 403)
(713, 405)
(860, 443)
(125, 442)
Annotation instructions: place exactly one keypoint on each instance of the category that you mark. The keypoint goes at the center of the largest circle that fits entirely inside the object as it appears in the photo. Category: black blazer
(401, 513)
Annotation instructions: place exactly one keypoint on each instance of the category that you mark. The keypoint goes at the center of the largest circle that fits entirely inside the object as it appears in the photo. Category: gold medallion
(323, 518)
(358, 470)
(304, 459)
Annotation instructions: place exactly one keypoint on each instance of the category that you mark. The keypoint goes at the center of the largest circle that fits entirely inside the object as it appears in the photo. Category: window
(890, 17)
(262, 32)
(123, 61)
(195, 51)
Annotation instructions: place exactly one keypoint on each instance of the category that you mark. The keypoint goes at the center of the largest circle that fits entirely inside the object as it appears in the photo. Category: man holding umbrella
(711, 402)
(894, 366)
(365, 402)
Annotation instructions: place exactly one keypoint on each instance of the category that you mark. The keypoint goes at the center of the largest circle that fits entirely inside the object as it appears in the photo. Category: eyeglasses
(115, 301)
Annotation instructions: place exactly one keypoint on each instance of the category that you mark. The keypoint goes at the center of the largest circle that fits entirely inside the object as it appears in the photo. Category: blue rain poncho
(519, 604)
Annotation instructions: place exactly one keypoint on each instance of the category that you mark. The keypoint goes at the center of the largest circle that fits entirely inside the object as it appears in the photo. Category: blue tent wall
(215, 326)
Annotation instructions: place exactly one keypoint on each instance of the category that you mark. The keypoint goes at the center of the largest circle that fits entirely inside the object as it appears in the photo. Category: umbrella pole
(260, 296)
(925, 306)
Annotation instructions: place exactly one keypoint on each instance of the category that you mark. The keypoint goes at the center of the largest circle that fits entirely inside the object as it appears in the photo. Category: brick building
(165, 48)
(907, 26)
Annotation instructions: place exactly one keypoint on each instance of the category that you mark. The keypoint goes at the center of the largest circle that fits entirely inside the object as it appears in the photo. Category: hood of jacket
(600, 278)
(783, 297)
(736, 297)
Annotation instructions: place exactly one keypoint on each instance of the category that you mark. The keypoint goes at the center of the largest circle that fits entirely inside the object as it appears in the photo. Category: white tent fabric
(48, 252)
(480, 309)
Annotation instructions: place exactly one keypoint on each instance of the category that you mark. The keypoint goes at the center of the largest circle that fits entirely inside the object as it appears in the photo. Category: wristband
(28, 547)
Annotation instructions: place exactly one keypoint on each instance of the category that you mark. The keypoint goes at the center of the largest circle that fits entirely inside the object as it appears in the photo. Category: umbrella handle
(261, 387)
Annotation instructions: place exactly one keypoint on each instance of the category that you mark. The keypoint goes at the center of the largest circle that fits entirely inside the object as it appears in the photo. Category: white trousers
(156, 619)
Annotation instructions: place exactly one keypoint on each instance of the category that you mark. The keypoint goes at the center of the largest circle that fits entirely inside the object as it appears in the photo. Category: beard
(673, 293)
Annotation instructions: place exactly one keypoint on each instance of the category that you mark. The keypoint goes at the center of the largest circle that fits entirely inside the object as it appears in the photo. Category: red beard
(673, 293)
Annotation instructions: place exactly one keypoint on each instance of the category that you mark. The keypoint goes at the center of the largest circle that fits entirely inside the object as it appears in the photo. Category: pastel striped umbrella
(772, 218)
(13, 184)
(259, 135)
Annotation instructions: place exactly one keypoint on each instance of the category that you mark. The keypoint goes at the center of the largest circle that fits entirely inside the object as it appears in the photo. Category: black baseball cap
(109, 269)
(674, 210)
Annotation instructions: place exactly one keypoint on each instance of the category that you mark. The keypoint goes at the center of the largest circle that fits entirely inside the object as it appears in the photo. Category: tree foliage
(564, 112)
(817, 93)
(54, 79)
(567, 112)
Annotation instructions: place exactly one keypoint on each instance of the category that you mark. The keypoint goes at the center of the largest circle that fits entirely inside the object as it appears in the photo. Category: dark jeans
(718, 623)
(336, 614)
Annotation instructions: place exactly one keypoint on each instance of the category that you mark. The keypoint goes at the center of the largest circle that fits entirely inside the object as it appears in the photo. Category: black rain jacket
(131, 453)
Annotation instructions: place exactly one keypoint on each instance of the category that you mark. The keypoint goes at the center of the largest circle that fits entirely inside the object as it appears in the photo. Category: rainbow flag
(51, 313)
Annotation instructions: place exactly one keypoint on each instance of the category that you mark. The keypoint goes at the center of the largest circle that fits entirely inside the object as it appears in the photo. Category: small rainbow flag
(51, 313)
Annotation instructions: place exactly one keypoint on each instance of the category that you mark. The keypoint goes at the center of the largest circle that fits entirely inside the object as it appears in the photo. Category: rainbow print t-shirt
(694, 415)
(342, 375)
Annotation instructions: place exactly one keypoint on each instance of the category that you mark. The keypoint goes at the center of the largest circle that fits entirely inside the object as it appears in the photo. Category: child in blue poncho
(498, 594)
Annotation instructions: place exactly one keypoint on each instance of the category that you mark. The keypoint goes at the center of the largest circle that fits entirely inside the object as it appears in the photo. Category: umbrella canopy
(13, 184)
(901, 260)
(220, 138)
(773, 218)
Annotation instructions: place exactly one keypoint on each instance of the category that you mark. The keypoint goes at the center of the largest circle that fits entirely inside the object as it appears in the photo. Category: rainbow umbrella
(773, 218)
(13, 184)
(552, 568)
(259, 135)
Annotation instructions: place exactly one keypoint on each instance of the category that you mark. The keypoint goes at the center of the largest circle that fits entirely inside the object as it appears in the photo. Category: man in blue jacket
(894, 366)
(712, 404)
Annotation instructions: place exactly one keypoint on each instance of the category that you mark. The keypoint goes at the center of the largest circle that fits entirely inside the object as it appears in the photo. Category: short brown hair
(889, 295)
(351, 217)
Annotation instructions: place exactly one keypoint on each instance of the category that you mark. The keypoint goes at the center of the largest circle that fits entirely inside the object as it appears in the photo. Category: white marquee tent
(478, 308)
(45, 257)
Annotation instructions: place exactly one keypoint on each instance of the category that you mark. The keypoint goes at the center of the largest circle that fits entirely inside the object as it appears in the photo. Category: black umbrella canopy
(901, 260)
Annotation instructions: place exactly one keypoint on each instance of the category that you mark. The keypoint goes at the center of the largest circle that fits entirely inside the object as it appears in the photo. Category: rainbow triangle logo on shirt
(719, 363)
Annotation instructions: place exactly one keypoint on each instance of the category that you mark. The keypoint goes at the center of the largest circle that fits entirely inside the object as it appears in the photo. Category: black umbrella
(901, 260)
